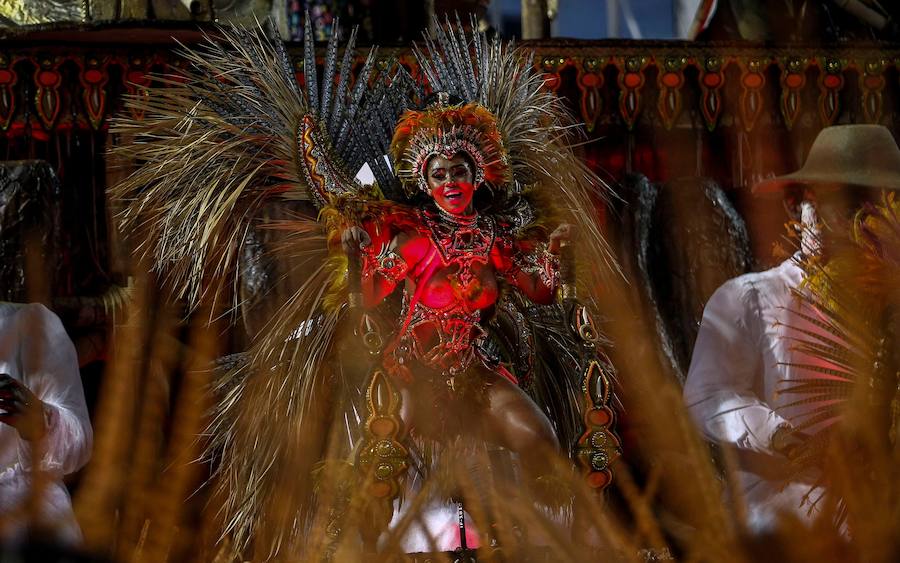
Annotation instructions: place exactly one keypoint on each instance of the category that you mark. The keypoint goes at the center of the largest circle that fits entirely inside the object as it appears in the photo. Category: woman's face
(450, 182)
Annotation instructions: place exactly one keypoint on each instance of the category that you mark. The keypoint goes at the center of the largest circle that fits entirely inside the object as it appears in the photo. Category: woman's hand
(21, 409)
(354, 240)
(563, 233)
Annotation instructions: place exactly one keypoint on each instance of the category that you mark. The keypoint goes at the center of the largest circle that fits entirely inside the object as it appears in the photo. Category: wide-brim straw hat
(845, 156)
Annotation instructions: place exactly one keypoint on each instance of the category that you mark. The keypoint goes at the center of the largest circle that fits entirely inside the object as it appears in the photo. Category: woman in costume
(448, 259)
(485, 338)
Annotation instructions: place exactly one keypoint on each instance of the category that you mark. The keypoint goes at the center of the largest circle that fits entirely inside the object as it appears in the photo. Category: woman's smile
(450, 182)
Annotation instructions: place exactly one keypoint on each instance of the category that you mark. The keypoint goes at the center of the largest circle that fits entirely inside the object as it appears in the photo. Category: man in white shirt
(744, 350)
(45, 431)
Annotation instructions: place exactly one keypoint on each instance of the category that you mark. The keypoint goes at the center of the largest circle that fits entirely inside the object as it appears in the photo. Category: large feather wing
(219, 142)
(233, 131)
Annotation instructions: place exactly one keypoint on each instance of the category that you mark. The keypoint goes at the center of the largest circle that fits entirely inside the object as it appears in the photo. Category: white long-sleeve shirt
(737, 368)
(35, 350)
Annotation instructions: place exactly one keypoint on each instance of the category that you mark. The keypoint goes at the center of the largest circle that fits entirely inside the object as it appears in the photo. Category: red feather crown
(448, 130)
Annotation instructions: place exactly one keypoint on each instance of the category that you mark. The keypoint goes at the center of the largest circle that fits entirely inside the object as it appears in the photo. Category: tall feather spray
(539, 132)
(217, 143)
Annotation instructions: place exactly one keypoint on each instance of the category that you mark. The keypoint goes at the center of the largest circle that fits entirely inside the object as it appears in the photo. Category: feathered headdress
(448, 130)
(534, 151)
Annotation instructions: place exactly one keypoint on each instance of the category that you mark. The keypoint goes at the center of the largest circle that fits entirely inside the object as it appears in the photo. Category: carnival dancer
(747, 358)
(438, 303)
(448, 258)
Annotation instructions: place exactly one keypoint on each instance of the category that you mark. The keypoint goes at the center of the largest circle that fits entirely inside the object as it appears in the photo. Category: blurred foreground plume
(143, 496)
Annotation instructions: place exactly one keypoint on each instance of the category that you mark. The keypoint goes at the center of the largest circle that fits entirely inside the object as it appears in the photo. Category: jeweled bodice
(459, 272)
(451, 285)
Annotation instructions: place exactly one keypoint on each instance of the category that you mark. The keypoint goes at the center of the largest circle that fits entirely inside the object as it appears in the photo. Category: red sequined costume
(452, 267)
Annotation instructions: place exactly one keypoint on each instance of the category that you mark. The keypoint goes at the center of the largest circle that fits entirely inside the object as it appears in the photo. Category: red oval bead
(793, 80)
(93, 76)
(712, 80)
(874, 82)
(48, 78)
(551, 81)
(379, 489)
(632, 80)
(599, 417)
(598, 479)
(5, 76)
(590, 80)
(753, 80)
(832, 81)
(671, 80)
(383, 427)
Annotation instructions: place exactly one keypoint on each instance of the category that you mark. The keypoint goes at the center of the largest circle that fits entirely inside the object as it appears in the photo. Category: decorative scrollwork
(382, 458)
(598, 447)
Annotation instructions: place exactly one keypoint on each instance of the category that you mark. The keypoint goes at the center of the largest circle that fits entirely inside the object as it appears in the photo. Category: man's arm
(726, 371)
